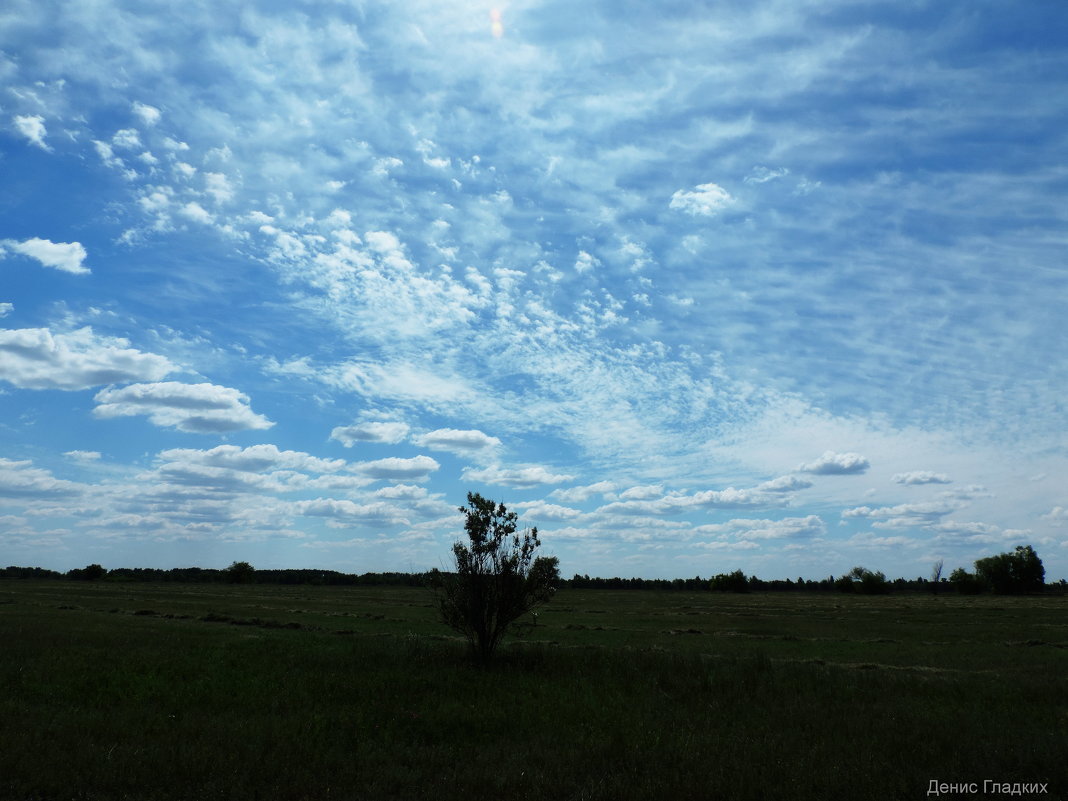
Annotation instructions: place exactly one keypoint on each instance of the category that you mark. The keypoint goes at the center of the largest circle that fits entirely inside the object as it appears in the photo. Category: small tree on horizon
(496, 578)
(240, 573)
(936, 574)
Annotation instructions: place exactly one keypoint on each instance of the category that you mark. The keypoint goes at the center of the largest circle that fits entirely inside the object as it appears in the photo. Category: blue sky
(777, 286)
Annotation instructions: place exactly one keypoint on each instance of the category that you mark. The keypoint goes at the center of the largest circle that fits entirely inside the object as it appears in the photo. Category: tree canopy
(496, 577)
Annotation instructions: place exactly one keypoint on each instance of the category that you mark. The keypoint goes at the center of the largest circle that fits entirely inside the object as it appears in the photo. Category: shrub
(496, 579)
(729, 582)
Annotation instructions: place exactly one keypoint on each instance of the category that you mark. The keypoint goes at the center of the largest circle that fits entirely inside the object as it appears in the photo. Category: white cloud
(761, 175)
(194, 408)
(906, 515)
(418, 468)
(349, 511)
(642, 492)
(785, 484)
(585, 262)
(127, 138)
(18, 479)
(6, 309)
(954, 532)
(33, 128)
(1058, 515)
(255, 458)
(521, 478)
(836, 464)
(920, 477)
(107, 155)
(580, 494)
(149, 115)
(387, 432)
(732, 497)
(83, 456)
(35, 358)
(457, 441)
(787, 528)
(540, 510)
(65, 256)
(706, 200)
(218, 186)
(197, 213)
(402, 492)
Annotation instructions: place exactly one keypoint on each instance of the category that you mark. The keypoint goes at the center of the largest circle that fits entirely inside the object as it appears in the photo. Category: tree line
(1014, 572)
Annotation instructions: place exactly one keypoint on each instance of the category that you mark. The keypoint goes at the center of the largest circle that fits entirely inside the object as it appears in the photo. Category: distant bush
(966, 583)
(240, 573)
(729, 582)
(87, 573)
(863, 581)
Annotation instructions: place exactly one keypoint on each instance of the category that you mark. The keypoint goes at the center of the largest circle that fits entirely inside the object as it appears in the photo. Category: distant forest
(243, 573)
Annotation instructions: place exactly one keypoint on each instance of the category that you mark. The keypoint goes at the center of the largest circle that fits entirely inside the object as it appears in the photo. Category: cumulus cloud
(194, 408)
(954, 532)
(540, 510)
(837, 464)
(906, 515)
(585, 262)
(35, 358)
(787, 528)
(1057, 515)
(418, 468)
(402, 492)
(6, 309)
(65, 256)
(785, 484)
(732, 497)
(705, 200)
(643, 492)
(458, 441)
(389, 433)
(255, 458)
(349, 511)
(19, 479)
(33, 128)
(126, 138)
(520, 478)
(197, 213)
(149, 115)
(920, 477)
(83, 456)
(580, 494)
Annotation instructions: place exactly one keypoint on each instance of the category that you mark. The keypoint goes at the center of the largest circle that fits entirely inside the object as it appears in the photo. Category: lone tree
(496, 578)
(936, 574)
(240, 573)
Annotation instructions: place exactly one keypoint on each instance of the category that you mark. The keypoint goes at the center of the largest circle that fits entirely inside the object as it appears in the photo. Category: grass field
(134, 691)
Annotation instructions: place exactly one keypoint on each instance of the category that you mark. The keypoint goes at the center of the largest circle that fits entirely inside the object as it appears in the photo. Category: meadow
(181, 691)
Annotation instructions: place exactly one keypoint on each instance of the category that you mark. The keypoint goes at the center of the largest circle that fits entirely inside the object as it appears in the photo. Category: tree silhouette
(1013, 572)
(936, 574)
(496, 577)
(240, 573)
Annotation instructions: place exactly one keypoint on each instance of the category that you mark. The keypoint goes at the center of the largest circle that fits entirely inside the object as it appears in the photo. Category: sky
(771, 285)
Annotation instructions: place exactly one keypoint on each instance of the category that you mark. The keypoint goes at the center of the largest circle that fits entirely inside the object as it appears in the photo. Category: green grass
(111, 691)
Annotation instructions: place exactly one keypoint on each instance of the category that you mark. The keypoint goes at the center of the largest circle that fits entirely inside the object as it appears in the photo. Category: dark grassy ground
(198, 692)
